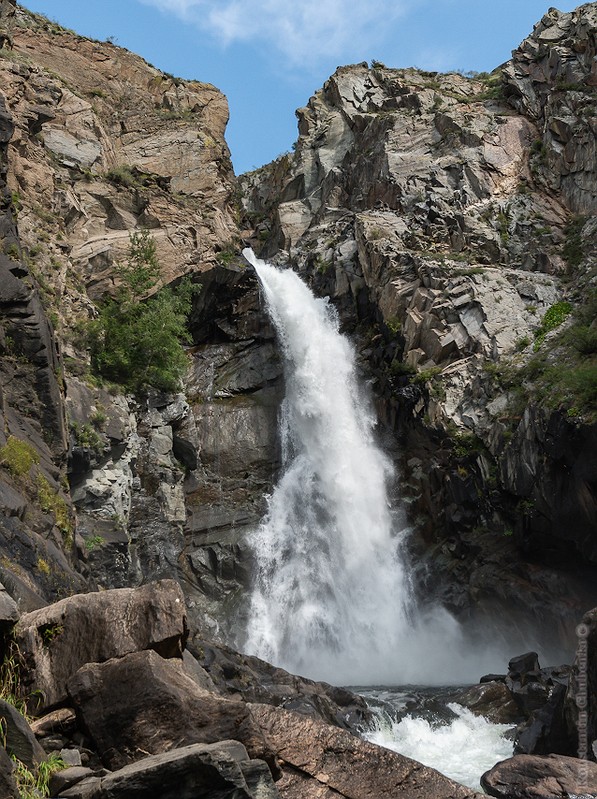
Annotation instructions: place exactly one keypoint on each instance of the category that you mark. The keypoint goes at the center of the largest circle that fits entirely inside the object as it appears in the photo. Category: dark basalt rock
(18, 736)
(8, 786)
(255, 680)
(493, 700)
(214, 771)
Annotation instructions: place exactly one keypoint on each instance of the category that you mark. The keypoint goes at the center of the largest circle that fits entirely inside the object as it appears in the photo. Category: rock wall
(446, 215)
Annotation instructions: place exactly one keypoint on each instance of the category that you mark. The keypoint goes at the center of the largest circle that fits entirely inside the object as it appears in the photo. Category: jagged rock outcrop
(447, 216)
(102, 144)
(36, 531)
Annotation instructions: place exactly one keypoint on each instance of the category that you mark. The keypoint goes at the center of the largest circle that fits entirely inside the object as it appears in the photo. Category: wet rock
(222, 769)
(321, 762)
(143, 704)
(255, 680)
(57, 640)
(493, 700)
(532, 776)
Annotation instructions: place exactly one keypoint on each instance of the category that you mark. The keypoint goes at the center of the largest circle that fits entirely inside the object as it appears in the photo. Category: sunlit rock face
(446, 215)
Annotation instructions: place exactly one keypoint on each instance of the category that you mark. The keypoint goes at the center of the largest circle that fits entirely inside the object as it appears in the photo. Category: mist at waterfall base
(332, 599)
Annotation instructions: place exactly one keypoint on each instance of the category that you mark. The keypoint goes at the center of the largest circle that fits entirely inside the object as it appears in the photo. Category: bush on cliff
(137, 342)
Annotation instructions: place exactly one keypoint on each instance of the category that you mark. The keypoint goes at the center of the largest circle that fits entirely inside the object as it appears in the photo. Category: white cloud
(302, 30)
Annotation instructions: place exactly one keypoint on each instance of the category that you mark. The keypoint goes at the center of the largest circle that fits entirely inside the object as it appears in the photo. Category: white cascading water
(461, 749)
(331, 598)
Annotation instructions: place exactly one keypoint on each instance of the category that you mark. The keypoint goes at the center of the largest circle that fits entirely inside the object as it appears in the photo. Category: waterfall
(331, 597)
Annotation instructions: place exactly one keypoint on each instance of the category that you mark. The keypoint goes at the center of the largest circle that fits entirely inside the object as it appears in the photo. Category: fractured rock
(322, 762)
(87, 628)
(220, 770)
(19, 738)
(142, 704)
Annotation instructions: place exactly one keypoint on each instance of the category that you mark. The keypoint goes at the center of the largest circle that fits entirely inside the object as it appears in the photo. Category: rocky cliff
(451, 218)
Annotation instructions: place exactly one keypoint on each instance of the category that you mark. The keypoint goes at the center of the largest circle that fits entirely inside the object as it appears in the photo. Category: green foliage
(227, 256)
(425, 375)
(552, 318)
(86, 436)
(572, 251)
(50, 501)
(18, 456)
(49, 632)
(393, 324)
(122, 176)
(10, 681)
(135, 342)
(466, 444)
(400, 368)
(33, 785)
(522, 343)
(93, 542)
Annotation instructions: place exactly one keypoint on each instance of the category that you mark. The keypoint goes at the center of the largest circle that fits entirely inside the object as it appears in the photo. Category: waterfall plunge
(331, 597)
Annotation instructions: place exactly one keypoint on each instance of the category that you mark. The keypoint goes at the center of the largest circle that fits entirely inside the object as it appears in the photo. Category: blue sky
(269, 56)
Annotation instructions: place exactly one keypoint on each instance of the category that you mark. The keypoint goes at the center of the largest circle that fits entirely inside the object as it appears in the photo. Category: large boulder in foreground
(541, 777)
(324, 762)
(221, 770)
(57, 640)
(143, 704)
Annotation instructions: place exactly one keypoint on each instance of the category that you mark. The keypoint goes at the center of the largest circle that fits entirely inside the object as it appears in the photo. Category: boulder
(91, 628)
(535, 776)
(323, 762)
(143, 704)
(18, 736)
(9, 612)
(492, 700)
(8, 786)
(221, 770)
(257, 681)
(62, 780)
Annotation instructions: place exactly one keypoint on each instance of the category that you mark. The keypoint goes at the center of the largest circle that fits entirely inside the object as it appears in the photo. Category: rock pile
(132, 713)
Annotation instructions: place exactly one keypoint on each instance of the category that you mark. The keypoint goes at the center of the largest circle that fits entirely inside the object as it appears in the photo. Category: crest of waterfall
(331, 597)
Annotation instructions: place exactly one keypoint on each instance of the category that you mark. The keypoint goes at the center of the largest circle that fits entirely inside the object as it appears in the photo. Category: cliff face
(451, 218)
(96, 144)
(445, 215)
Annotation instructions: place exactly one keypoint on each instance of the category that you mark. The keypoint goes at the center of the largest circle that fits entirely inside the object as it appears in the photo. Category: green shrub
(122, 176)
(136, 342)
(552, 318)
(50, 501)
(583, 338)
(33, 785)
(18, 456)
(572, 251)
